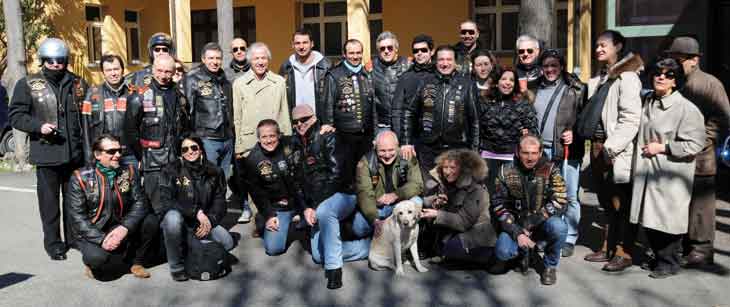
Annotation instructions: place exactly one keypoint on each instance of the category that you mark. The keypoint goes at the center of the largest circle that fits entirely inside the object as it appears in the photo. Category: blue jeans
(327, 246)
(553, 231)
(571, 175)
(175, 230)
(220, 152)
(275, 242)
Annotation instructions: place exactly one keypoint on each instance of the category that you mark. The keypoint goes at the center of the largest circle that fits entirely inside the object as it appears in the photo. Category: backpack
(206, 260)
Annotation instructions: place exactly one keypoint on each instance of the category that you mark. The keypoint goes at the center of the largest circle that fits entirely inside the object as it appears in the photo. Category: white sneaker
(245, 215)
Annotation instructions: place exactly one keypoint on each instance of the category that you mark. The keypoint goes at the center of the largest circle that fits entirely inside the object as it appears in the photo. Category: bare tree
(537, 19)
(225, 27)
(15, 58)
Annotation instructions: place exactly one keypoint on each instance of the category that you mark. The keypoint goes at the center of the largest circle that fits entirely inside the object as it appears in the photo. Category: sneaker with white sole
(245, 215)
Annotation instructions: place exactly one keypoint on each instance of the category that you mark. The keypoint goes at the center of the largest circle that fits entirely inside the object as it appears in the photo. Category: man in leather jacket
(239, 65)
(350, 109)
(411, 80)
(529, 201)
(158, 44)
(106, 210)
(210, 98)
(386, 70)
(468, 45)
(47, 106)
(304, 72)
(104, 109)
(442, 115)
(156, 119)
(267, 174)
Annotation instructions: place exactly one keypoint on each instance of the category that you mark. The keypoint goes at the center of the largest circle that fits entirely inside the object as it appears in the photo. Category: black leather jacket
(156, 119)
(407, 87)
(210, 99)
(140, 78)
(190, 189)
(103, 112)
(320, 70)
(96, 206)
(349, 104)
(463, 57)
(444, 112)
(269, 178)
(37, 101)
(234, 71)
(385, 81)
(315, 165)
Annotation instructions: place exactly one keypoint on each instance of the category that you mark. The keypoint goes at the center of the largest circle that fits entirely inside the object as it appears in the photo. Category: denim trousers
(175, 232)
(220, 152)
(327, 245)
(571, 174)
(553, 231)
(275, 242)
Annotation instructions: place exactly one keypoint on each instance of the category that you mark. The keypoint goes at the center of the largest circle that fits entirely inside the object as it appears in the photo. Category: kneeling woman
(193, 191)
(457, 204)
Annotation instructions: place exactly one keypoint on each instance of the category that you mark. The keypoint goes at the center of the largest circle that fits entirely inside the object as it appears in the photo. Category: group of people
(492, 154)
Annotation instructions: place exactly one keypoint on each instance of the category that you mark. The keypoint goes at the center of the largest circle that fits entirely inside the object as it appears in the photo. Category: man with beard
(104, 109)
(239, 65)
(209, 95)
(47, 106)
(386, 70)
(469, 34)
(410, 81)
(158, 44)
(528, 70)
(349, 109)
(156, 119)
(304, 72)
(442, 114)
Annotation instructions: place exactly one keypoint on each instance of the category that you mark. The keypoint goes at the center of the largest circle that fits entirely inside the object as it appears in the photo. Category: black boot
(334, 278)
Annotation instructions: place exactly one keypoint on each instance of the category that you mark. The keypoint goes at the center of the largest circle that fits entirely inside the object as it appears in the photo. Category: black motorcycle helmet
(160, 39)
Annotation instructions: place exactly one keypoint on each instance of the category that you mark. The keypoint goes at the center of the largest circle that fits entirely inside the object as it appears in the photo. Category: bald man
(239, 65)
(156, 119)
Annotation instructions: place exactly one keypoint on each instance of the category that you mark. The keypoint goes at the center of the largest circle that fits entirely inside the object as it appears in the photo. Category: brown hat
(684, 45)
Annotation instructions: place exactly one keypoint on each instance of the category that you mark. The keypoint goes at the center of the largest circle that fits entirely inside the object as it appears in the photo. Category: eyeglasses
(301, 120)
(161, 49)
(528, 50)
(237, 49)
(669, 75)
(421, 50)
(389, 48)
(112, 151)
(193, 148)
(55, 60)
(468, 32)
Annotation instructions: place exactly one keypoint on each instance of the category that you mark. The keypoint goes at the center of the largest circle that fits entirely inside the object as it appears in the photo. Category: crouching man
(106, 209)
(529, 201)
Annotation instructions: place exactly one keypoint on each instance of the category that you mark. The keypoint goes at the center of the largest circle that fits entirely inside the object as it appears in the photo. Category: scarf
(354, 69)
(54, 76)
(196, 168)
(423, 67)
(240, 66)
(109, 173)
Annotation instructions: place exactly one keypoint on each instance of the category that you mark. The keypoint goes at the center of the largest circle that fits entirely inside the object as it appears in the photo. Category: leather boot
(139, 271)
(549, 276)
(334, 278)
(697, 259)
(602, 254)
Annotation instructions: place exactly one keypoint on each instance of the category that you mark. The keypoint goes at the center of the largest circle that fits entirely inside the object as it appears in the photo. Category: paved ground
(29, 278)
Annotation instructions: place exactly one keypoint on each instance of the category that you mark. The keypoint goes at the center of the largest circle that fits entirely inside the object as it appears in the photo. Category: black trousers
(133, 250)
(151, 184)
(51, 181)
(666, 249)
(701, 233)
(351, 147)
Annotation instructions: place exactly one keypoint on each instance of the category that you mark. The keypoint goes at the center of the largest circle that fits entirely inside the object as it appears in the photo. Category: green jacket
(370, 188)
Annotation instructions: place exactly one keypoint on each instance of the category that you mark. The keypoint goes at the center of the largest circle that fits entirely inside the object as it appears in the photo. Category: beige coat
(621, 112)
(662, 186)
(255, 100)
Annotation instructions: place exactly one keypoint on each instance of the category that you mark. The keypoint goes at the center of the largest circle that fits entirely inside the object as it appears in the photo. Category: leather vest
(104, 112)
(353, 105)
(106, 200)
(443, 108)
(159, 128)
(44, 99)
(210, 101)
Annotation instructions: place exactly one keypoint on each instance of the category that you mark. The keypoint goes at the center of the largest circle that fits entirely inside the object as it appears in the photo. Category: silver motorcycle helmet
(53, 48)
(724, 152)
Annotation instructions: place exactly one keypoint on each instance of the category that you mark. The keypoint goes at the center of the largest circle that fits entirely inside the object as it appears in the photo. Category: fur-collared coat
(621, 112)
(467, 210)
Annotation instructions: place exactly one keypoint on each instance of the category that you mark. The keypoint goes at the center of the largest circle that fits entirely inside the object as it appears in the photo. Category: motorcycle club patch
(183, 181)
(265, 168)
(37, 84)
(206, 89)
(123, 182)
(147, 79)
(282, 165)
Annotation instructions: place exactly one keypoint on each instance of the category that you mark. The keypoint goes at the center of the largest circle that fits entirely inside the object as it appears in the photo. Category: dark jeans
(701, 233)
(351, 147)
(151, 184)
(553, 231)
(666, 249)
(51, 181)
(454, 250)
(220, 152)
(493, 167)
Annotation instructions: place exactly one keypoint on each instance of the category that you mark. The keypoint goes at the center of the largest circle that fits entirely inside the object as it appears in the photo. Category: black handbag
(206, 260)
(590, 116)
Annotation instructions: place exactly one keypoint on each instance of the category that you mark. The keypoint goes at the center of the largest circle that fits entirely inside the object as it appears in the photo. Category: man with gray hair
(528, 70)
(257, 95)
(386, 70)
(469, 35)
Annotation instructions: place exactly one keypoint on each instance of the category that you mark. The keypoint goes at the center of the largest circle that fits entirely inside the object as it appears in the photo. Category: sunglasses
(669, 75)
(193, 148)
(112, 151)
(421, 50)
(301, 120)
(55, 60)
(237, 49)
(553, 65)
(522, 51)
(161, 49)
(469, 32)
(389, 48)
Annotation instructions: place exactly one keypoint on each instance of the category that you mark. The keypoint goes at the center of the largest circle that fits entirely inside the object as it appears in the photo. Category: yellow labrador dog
(399, 233)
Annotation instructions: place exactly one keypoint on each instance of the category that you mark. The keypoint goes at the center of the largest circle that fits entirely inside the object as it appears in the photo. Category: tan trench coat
(255, 100)
(662, 186)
